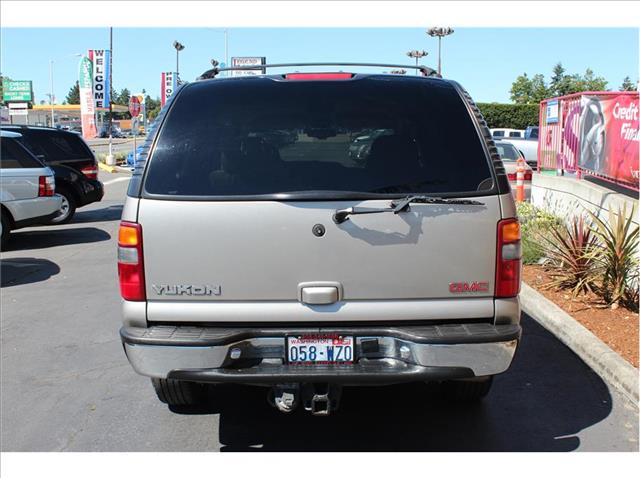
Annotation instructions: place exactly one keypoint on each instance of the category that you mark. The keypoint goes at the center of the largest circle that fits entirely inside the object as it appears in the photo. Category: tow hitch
(319, 398)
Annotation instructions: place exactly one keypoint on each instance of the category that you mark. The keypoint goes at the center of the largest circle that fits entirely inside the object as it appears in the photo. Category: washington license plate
(320, 349)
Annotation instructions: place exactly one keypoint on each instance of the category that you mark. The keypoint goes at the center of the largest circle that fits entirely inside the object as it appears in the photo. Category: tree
(539, 89)
(2, 79)
(588, 82)
(521, 90)
(153, 107)
(124, 96)
(628, 85)
(73, 97)
(525, 91)
(561, 84)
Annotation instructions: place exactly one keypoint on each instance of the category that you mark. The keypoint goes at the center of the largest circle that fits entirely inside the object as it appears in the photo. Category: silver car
(27, 188)
(293, 266)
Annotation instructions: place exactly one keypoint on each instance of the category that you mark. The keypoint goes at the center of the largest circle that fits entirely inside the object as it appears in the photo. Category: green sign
(17, 90)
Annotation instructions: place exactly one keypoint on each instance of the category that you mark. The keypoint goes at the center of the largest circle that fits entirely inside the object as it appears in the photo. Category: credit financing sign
(169, 85)
(100, 60)
(610, 136)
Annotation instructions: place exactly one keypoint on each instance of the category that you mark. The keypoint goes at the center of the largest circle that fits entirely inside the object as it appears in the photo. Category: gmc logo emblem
(460, 287)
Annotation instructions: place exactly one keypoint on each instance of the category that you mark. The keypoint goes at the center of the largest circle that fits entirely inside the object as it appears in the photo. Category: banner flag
(87, 109)
(101, 87)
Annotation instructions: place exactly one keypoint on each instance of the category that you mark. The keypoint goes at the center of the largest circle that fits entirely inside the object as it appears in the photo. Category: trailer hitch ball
(285, 397)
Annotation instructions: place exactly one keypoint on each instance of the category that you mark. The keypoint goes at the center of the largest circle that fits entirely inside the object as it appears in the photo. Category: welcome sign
(100, 60)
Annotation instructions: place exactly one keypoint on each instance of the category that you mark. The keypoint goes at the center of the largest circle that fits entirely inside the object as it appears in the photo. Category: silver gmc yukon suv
(309, 231)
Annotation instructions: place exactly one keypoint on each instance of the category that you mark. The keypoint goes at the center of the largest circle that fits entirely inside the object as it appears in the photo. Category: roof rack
(213, 72)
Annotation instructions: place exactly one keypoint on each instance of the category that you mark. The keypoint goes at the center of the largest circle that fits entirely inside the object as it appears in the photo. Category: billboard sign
(169, 85)
(242, 61)
(609, 136)
(87, 109)
(100, 60)
(20, 90)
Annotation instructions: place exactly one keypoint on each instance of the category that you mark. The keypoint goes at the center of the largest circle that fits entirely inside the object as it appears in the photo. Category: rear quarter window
(262, 136)
(14, 155)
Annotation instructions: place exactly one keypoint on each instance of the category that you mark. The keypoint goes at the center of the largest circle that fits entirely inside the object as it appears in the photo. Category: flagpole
(110, 160)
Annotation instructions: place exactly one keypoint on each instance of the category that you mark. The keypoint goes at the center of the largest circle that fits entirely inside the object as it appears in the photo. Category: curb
(113, 169)
(104, 167)
(616, 371)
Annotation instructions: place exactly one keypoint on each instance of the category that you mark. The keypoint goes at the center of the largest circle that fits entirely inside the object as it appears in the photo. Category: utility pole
(110, 160)
(53, 121)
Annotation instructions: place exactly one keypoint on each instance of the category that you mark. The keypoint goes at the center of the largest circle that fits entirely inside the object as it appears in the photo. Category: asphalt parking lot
(67, 386)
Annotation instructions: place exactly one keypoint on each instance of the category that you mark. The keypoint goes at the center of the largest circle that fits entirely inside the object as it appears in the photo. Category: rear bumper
(92, 191)
(383, 355)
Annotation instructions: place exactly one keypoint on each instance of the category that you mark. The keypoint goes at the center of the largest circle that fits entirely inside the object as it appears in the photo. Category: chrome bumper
(382, 355)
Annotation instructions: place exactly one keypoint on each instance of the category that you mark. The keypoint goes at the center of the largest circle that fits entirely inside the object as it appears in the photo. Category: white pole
(226, 50)
(53, 121)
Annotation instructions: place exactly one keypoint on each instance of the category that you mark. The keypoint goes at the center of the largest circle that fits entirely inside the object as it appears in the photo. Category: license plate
(320, 349)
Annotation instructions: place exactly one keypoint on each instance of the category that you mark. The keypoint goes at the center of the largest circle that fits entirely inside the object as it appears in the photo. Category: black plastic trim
(34, 220)
(373, 371)
(166, 335)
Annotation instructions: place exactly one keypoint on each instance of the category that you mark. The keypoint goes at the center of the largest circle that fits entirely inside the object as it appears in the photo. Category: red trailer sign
(592, 132)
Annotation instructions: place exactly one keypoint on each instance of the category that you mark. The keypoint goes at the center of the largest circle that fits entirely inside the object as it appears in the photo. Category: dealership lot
(66, 384)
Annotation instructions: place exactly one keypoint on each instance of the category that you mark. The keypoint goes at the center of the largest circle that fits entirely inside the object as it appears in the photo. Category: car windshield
(262, 136)
(507, 152)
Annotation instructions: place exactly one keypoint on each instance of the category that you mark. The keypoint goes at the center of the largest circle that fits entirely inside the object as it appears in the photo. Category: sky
(484, 60)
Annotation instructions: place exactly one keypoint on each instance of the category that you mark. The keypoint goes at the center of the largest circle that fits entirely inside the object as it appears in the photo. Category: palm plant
(571, 251)
(617, 259)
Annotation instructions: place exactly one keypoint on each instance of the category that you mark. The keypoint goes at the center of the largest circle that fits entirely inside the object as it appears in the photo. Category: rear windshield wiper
(402, 205)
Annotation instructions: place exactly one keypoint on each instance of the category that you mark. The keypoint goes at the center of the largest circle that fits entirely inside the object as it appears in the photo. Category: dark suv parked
(72, 161)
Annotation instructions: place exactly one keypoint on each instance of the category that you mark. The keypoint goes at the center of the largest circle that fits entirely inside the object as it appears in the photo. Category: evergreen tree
(73, 97)
(628, 85)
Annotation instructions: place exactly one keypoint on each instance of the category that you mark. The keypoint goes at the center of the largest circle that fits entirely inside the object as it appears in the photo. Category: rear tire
(6, 230)
(467, 391)
(179, 392)
(68, 208)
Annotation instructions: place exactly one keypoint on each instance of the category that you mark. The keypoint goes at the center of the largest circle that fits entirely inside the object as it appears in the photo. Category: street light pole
(439, 32)
(417, 54)
(226, 48)
(53, 121)
(179, 47)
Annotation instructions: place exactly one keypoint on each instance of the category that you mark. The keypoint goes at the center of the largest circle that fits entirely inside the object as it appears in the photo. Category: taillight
(91, 171)
(508, 258)
(318, 76)
(527, 175)
(511, 176)
(130, 265)
(46, 186)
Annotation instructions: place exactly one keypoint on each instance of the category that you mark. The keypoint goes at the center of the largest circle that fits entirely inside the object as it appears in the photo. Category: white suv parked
(27, 188)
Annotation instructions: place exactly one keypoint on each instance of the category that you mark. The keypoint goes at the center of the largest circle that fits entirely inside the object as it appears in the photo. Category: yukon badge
(187, 289)
(460, 287)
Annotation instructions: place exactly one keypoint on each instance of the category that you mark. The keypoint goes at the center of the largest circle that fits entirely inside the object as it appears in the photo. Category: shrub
(535, 224)
(571, 249)
(500, 115)
(617, 259)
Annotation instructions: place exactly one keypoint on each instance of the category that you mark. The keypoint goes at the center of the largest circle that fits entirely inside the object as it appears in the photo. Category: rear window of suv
(260, 136)
(55, 146)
